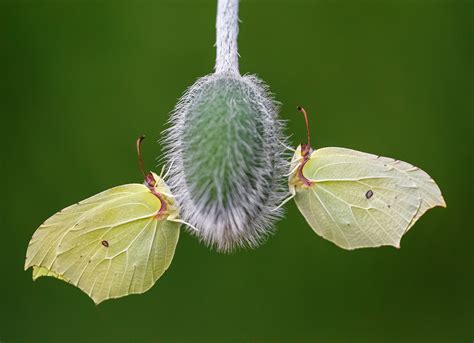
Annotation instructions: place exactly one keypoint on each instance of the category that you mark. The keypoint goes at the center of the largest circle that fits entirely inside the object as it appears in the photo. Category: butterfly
(355, 199)
(112, 244)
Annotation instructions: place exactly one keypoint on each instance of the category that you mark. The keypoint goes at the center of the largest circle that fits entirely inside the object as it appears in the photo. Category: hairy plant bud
(226, 157)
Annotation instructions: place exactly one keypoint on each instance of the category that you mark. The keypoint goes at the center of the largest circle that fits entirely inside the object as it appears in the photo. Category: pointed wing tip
(97, 301)
(28, 266)
(440, 202)
(440, 198)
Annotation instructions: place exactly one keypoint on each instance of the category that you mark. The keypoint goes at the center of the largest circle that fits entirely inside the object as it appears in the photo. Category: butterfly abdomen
(227, 157)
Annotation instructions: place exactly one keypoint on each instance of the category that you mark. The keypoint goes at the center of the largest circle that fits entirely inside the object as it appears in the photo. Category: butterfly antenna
(139, 152)
(301, 109)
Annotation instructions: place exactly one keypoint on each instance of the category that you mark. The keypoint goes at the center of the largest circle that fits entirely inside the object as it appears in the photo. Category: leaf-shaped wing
(429, 191)
(109, 245)
(361, 200)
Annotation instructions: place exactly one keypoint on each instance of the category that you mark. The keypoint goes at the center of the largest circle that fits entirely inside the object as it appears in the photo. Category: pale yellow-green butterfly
(359, 200)
(116, 243)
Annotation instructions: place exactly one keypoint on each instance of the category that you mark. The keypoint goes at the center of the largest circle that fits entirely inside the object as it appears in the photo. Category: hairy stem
(227, 30)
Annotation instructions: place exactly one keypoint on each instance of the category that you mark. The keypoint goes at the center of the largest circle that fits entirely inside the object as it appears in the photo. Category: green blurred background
(80, 80)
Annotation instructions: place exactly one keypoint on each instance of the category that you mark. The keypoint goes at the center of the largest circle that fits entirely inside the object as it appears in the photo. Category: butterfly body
(159, 189)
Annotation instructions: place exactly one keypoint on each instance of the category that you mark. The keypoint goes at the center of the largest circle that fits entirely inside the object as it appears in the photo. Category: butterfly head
(156, 184)
(151, 179)
(302, 155)
(158, 188)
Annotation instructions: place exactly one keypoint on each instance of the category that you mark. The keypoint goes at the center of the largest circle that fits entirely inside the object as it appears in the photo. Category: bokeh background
(80, 80)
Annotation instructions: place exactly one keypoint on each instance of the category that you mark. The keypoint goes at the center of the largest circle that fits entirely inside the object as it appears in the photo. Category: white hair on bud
(227, 147)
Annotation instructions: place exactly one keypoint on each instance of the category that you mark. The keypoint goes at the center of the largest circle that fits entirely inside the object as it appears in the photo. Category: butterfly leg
(287, 147)
(167, 194)
(173, 218)
(168, 171)
(295, 168)
(292, 195)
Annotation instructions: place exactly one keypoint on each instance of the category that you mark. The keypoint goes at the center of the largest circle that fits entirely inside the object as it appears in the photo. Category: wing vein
(332, 218)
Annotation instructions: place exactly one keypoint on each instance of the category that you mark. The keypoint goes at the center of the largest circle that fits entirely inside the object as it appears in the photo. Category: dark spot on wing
(105, 244)
(369, 194)
(388, 206)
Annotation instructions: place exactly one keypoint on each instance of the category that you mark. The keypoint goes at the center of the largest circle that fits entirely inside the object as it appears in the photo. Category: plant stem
(227, 30)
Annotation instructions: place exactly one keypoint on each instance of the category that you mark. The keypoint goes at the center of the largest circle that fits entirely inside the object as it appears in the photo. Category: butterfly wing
(361, 200)
(429, 191)
(109, 245)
